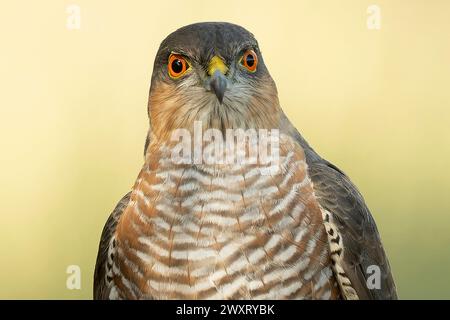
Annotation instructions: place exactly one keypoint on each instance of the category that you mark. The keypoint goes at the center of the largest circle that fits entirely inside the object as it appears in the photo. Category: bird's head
(213, 73)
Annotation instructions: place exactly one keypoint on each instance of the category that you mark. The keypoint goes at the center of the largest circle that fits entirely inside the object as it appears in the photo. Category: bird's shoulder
(363, 252)
(104, 262)
(364, 257)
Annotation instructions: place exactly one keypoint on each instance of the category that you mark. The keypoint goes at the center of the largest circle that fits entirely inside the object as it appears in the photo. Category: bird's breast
(223, 231)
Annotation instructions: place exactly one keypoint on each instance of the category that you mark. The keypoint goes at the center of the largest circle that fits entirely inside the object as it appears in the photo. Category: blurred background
(375, 102)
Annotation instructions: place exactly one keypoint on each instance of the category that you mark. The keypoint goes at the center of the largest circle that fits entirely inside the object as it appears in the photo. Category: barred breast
(222, 232)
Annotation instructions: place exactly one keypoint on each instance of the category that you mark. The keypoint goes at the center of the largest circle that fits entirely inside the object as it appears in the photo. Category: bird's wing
(363, 254)
(363, 251)
(101, 288)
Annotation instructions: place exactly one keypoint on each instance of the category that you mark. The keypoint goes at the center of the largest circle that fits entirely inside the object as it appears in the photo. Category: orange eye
(250, 60)
(177, 65)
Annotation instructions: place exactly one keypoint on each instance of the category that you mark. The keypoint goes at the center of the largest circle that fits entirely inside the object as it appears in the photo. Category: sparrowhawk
(284, 224)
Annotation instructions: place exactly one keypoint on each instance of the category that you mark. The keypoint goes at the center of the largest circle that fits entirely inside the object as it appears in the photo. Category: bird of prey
(289, 225)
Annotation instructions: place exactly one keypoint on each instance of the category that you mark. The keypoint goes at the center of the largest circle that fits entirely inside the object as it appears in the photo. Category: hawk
(284, 224)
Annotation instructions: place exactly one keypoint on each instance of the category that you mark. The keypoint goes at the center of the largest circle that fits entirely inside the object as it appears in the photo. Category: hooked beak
(218, 82)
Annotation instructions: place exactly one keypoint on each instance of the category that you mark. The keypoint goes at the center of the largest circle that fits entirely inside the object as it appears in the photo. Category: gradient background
(73, 121)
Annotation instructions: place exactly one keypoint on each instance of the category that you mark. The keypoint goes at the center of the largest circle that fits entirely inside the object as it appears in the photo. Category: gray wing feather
(101, 291)
(362, 243)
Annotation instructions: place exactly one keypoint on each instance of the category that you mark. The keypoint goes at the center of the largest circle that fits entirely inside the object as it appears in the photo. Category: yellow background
(73, 121)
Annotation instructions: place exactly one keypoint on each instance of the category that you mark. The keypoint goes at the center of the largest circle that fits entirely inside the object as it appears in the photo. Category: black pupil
(177, 66)
(250, 60)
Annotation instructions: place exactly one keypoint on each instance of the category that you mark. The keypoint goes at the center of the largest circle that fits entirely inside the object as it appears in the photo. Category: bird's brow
(246, 46)
(184, 53)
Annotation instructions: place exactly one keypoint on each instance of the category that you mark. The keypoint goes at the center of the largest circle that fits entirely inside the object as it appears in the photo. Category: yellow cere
(215, 64)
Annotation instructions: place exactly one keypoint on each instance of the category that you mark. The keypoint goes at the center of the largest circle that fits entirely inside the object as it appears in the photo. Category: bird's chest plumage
(229, 231)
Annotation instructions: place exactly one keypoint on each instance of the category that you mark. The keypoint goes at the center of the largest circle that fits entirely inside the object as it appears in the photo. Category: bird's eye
(177, 65)
(250, 60)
